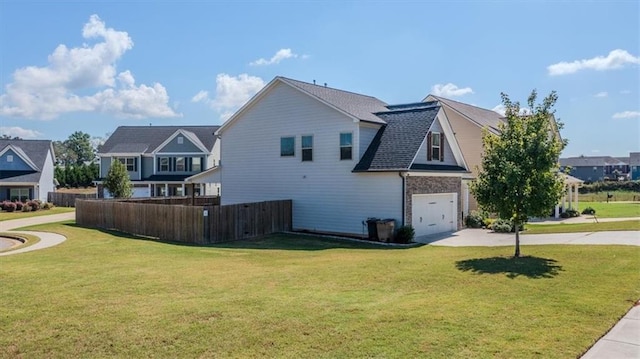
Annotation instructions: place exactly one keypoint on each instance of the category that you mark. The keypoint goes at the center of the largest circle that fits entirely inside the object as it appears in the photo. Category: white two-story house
(343, 158)
(160, 158)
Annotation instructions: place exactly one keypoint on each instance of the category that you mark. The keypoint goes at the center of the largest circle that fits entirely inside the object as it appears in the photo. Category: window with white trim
(9, 158)
(163, 164)
(180, 164)
(196, 164)
(307, 148)
(19, 194)
(180, 140)
(435, 146)
(346, 146)
(129, 163)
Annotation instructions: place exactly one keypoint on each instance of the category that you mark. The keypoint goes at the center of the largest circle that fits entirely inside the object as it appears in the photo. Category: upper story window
(180, 164)
(163, 164)
(287, 146)
(129, 163)
(307, 148)
(180, 140)
(346, 146)
(435, 150)
(9, 158)
(196, 164)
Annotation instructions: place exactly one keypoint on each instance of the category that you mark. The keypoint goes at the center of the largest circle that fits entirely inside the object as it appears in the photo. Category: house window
(196, 164)
(129, 163)
(346, 146)
(9, 158)
(19, 194)
(435, 146)
(163, 164)
(287, 146)
(180, 140)
(180, 167)
(307, 148)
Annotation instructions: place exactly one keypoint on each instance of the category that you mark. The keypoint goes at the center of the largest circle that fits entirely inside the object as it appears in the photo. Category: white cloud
(20, 132)
(615, 60)
(449, 90)
(625, 92)
(601, 94)
(501, 109)
(626, 114)
(282, 54)
(231, 93)
(49, 91)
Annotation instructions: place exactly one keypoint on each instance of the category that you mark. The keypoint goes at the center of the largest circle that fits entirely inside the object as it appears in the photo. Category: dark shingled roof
(396, 144)
(359, 106)
(145, 139)
(590, 161)
(36, 150)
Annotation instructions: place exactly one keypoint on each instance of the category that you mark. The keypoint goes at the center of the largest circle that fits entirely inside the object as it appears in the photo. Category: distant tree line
(610, 186)
(76, 161)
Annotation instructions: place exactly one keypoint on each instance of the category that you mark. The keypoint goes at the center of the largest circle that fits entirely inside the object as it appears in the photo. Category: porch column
(166, 190)
(556, 214)
(150, 190)
(36, 195)
(202, 189)
(183, 192)
(576, 187)
(570, 198)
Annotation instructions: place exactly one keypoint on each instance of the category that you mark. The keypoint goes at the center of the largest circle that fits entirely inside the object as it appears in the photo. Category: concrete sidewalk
(622, 341)
(46, 239)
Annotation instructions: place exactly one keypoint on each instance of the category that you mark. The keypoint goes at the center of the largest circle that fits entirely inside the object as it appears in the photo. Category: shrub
(9, 206)
(18, 205)
(47, 205)
(405, 234)
(502, 225)
(570, 213)
(474, 220)
(26, 208)
(589, 210)
(488, 222)
(35, 204)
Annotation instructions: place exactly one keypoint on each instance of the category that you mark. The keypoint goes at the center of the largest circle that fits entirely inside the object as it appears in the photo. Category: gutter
(404, 194)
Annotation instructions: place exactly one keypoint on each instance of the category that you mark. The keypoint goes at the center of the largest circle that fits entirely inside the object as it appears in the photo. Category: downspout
(404, 195)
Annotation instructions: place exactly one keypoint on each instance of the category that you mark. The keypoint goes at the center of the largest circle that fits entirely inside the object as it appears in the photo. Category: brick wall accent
(427, 185)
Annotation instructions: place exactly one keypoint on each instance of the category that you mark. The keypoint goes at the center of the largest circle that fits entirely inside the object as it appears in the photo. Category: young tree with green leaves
(520, 170)
(117, 181)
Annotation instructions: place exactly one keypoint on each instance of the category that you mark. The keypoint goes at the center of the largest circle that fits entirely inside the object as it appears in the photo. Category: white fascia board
(182, 132)
(20, 153)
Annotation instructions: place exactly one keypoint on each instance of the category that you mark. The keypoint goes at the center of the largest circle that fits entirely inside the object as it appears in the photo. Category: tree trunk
(517, 228)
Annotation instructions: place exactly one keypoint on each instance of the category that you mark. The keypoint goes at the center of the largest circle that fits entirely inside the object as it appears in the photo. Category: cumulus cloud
(449, 90)
(626, 114)
(231, 93)
(282, 54)
(625, 92)
(501, 109)
(601, 94)
(49, 91)
(23, 133)
(615, 60)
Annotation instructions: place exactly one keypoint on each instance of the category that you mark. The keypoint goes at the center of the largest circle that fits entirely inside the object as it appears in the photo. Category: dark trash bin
(372, 227)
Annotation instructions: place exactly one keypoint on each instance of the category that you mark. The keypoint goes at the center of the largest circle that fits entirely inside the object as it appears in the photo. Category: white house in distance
(343, 158)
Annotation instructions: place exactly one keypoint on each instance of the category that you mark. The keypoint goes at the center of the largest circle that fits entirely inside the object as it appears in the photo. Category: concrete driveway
(486, 238)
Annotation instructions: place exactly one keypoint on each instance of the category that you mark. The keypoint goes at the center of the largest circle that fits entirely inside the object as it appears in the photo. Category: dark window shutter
(441, 147)
(429, 146)
(135, 164)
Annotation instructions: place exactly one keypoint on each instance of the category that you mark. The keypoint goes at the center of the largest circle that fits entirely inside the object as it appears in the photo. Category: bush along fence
(67, 199)
(187, 224)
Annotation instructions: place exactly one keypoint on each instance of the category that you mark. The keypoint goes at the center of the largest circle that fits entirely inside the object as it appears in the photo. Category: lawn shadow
(277, 241)
(512, 267)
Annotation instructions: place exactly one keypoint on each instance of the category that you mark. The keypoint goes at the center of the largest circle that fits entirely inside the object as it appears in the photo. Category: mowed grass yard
(102, 295)
(613, 209)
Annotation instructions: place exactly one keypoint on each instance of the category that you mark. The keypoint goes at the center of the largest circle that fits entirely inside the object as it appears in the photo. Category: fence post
(206, 233)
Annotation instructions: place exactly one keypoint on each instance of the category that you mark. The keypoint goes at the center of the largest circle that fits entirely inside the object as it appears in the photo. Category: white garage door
(434, 213)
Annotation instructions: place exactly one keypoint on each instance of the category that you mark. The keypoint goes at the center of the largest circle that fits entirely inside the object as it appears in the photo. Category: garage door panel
(434, 213)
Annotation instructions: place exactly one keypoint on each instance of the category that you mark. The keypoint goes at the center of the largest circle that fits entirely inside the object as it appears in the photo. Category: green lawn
(100, 295)
(617, 196)
(4, 216)
(633, 225)
(613, 209)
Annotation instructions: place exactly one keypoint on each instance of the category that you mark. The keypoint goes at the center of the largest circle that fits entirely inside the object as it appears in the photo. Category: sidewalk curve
(46, 239)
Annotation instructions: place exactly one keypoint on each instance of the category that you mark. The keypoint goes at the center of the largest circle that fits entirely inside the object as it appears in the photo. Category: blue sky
(91, 66)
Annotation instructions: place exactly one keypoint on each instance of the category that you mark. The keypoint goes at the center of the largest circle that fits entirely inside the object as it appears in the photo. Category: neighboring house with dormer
(343, 158)
(634, 166)
(26, 169)
(595, 168)
(160, 158)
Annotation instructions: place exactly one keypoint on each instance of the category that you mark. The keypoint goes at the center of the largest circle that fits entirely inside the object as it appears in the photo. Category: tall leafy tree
(117, 181)
(519, 176)
(79, 143)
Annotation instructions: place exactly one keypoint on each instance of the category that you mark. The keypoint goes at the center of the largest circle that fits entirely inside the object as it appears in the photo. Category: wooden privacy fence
(184, 200)
(187, 224)
(61, 199)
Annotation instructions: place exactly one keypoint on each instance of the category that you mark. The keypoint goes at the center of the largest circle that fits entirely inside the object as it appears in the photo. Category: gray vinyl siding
(588, 173)
(326, 195)
(105, 164)
(147, 167)
(16, 164)
(449, 159)
(174, 147)
(367, 133)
